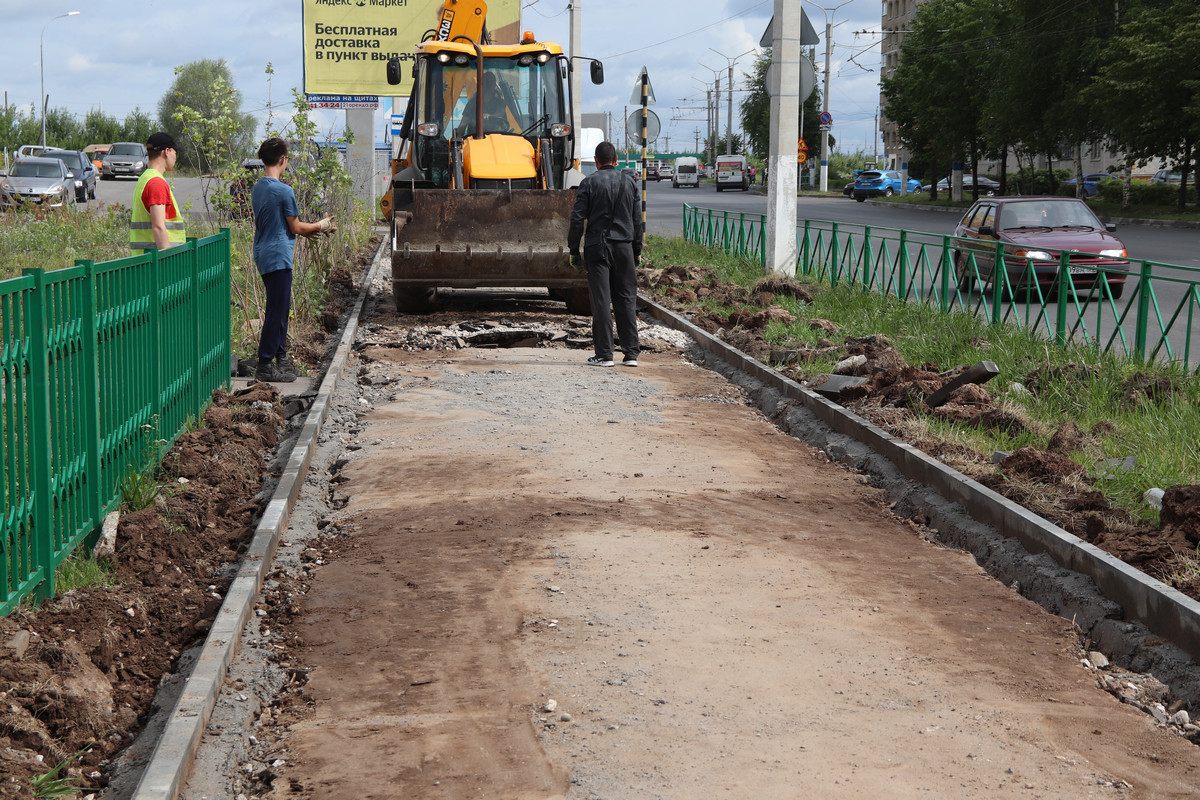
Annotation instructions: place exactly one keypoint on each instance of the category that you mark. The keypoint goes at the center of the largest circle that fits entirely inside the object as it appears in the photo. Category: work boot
(266, 371)
(286, 366)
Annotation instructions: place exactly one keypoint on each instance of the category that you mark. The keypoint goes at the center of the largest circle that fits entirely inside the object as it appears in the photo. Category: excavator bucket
(486, 237)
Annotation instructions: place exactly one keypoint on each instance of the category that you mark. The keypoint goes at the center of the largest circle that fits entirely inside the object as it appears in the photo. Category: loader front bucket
(470, 238)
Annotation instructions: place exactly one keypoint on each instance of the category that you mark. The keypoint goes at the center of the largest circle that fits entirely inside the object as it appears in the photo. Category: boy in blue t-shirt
(276, 226)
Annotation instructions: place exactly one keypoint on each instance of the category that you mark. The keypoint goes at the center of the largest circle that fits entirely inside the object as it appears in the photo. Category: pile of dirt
(1052, 482)
(80, 673)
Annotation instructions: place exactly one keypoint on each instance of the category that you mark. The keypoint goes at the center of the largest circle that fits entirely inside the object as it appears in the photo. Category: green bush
(1144, 193)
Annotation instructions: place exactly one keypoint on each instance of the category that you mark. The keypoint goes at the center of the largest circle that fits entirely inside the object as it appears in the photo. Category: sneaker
(597, 361)
(286, 366)
(268, 373)
(629, 361)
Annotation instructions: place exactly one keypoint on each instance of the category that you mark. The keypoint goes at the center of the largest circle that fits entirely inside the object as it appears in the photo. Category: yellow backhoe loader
(485, 177)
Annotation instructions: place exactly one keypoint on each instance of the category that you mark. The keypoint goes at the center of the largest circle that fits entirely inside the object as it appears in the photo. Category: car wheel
(990, 193)
(92, 192)
(860, 199)
(888, 192)
(1116, 289)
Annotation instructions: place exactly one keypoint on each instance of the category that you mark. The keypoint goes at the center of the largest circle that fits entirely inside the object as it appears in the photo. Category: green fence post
(762, 243)
(947, 268)
(902, 288)
(834, 255)
(1142, 332)
(197, 347)
(40, 444)
(999, 270)
(227, 292)
(868, 258)
(1060, 315)
(156, 358)
(91, 390)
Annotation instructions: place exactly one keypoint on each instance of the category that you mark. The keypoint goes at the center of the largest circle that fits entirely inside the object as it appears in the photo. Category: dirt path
(713, 610)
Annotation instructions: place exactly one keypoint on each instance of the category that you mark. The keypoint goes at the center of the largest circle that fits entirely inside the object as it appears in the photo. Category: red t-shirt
(158, 193)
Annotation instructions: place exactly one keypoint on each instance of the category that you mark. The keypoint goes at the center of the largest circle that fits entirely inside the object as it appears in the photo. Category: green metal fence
(1145, 310)
(101, 365)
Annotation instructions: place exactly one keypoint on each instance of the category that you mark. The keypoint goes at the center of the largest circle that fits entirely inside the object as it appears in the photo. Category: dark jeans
(612, 281)
(273, 342)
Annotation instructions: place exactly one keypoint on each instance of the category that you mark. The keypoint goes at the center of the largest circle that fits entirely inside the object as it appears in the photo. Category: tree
(755, 111)
(1148, 113)
(205, 87)
(947, 64)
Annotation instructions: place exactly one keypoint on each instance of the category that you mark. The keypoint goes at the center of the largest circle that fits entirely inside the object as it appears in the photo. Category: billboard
(347, 43)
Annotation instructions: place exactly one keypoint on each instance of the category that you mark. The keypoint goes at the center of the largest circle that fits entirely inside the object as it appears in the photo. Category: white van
(732, 173)
(687, 172)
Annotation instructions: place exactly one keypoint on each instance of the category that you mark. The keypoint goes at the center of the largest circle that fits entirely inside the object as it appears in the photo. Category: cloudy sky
(118, 56)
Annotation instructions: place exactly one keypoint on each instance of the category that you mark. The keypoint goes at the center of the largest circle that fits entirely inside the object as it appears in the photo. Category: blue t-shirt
(273, 202)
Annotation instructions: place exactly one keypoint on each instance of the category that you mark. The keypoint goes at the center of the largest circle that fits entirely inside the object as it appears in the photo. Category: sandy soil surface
(546, 580)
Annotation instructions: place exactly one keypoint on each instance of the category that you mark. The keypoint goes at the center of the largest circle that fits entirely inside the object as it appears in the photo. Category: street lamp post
(729, 123)
(42, 68)
(825, 100)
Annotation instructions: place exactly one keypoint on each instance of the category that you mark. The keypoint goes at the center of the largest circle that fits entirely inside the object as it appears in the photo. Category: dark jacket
(607, 201)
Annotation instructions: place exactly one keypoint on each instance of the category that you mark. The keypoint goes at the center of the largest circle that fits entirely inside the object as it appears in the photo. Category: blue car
(1091, 182)
(873, 183)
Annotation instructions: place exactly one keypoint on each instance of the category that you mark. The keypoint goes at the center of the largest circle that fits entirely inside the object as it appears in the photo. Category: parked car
(1091, 182)
(1034, 231)
(652, 174)
(80, 170)
(125, 159)
(987, 186)
(41, 181)
(1166, 176)
(873, 183)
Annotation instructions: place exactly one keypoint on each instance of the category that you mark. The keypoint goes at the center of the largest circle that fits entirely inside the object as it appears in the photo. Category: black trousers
(612, 281)
(273, 342)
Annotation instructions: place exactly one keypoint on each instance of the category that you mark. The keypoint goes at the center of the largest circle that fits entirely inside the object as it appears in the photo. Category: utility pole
(825, 100)
(697, 139)
(576, 45)
(783, 85)
(729, 111)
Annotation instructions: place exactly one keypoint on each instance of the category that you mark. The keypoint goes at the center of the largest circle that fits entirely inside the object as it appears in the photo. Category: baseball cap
(160, 141)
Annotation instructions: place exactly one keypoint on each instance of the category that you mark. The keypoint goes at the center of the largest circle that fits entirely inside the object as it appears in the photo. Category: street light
(42, 68)
(729, 124)
(825, 104)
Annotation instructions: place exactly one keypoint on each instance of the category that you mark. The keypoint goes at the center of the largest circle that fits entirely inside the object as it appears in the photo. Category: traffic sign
(802, 157)
(633, 126)
(635, 99)
(802, 146)
(826, 118)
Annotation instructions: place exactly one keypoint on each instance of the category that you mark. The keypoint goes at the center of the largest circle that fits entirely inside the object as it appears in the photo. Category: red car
(1034, 232)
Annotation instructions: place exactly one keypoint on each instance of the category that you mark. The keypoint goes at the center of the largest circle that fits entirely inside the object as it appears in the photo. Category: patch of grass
(50, 785)
(78, 572)
(138, 490)
(1161, 432)
(49, 241)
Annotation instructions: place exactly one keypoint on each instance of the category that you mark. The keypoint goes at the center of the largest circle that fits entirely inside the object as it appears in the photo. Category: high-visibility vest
(141, 237)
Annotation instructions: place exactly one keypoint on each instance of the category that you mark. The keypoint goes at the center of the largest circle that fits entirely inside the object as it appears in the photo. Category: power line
(741, 13)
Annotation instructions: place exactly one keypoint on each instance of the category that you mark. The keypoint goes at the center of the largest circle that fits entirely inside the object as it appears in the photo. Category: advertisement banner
(347, 43)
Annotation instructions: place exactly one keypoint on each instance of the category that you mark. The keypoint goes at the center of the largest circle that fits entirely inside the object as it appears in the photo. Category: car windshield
(1047, 214)
(70, 159)
(26, 169)
(125, 150)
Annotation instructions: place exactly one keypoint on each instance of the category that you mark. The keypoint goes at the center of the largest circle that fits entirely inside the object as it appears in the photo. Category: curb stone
(175, 753)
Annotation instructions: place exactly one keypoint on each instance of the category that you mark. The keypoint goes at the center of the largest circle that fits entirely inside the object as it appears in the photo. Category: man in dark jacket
(607, 203)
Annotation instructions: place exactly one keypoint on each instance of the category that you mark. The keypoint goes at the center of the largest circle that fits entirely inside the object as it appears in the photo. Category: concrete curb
(1163, 610)
(171, 762)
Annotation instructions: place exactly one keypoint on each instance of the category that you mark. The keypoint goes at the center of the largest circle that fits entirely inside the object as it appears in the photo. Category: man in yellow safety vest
(157, 221)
